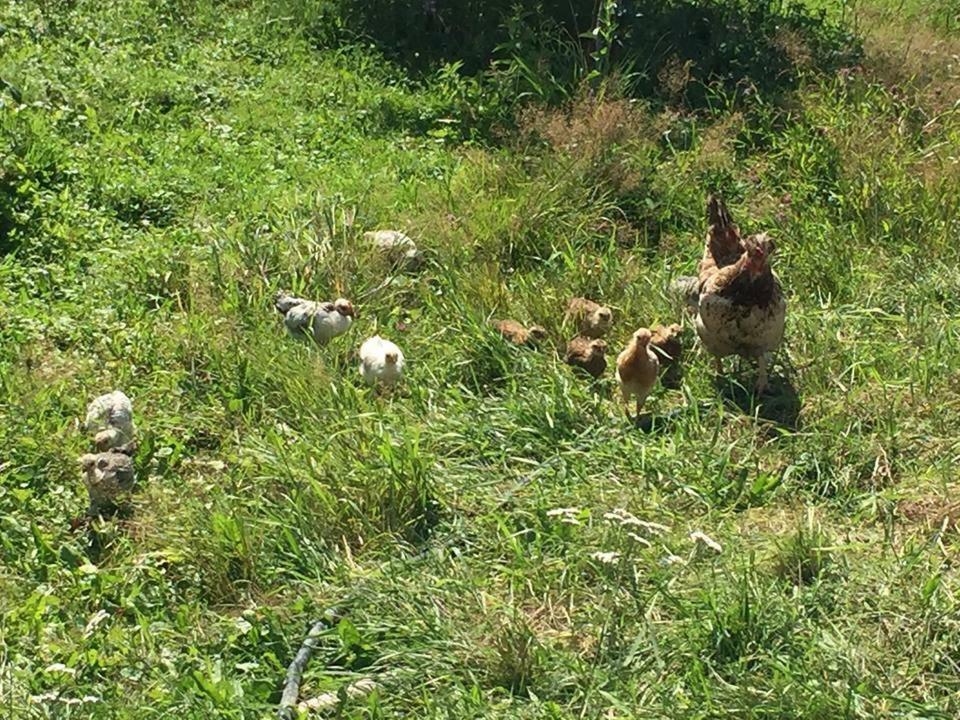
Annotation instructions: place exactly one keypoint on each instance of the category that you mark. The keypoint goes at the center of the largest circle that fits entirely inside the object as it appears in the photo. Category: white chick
(322, 321)
(380, 361)
(110, 417)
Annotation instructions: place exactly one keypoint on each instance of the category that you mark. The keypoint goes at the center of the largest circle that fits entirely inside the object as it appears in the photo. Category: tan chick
(637, 369)
(516, 333)
(587, 354)
(593, 320)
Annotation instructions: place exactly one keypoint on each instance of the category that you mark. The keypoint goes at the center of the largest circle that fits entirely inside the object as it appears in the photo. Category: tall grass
(499, 539)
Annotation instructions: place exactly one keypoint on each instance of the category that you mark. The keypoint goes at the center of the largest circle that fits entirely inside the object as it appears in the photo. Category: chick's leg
(718, 364)
(626, 402)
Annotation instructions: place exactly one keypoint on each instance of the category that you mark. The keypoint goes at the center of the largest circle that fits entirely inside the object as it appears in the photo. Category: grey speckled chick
(109, 479)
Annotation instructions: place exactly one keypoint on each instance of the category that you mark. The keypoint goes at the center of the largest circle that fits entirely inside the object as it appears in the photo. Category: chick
(637, 369)
(666, 345)
(109, 479)
(380, 362)
(587, 354)
(397, 247)
(514, 332)
(321, 321)
(110, 417)
(593, 320)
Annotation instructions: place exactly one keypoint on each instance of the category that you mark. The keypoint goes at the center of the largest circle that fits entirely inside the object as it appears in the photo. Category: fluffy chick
(380, 362)
(669, 351)
(397, 247)
(110, 417)
(514, 332)
(109, 479)
(593, 319)
(588, 354)
(321, 321)
(637, 369)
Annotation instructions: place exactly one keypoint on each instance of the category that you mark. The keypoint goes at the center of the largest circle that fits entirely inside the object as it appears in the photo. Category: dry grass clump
(601, 137)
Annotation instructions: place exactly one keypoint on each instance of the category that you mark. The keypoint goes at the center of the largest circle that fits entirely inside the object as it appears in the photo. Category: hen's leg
(761, 374)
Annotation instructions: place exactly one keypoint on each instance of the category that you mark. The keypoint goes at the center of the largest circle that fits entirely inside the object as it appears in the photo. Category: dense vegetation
(499, 540)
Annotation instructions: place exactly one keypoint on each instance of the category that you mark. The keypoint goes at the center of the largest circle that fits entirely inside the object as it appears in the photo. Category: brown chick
(587, 354)
(514, 332)
(593, 319)
(724, 244)
(637, 369)
(666, 345)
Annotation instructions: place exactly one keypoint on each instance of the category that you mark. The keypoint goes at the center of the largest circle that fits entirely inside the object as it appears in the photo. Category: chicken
(110, 417)
(321, 321)
(724, 244)
(397, 247)
(637, 369)
(588, 354)
(109, 479)
(380, 362)
(742, 308)
(593, 320)
(723, 247)
(669, 351)
(514, 332)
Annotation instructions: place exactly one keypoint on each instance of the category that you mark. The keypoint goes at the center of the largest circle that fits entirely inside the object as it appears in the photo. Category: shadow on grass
(665, 422)
(780, 403)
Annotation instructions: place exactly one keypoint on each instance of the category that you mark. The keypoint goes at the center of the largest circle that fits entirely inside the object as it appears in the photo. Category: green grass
(169, 166)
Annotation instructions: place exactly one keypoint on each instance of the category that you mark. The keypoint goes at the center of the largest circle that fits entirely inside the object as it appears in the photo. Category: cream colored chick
(381, 362)
(593, 319)
(110, 417)
(321, 321)
(637, 369)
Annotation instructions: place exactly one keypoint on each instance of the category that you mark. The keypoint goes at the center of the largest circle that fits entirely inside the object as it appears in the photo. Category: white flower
(698, 536)
(60, 667)
(97, 618)
(624, 518)
(670, 559)
(642, 540)
(566, 515)
(605, 557)
(46, 697)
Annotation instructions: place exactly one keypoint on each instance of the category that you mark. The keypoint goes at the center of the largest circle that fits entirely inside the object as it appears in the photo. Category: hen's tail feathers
(687, 288)
(717, 213)
(284, 301)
